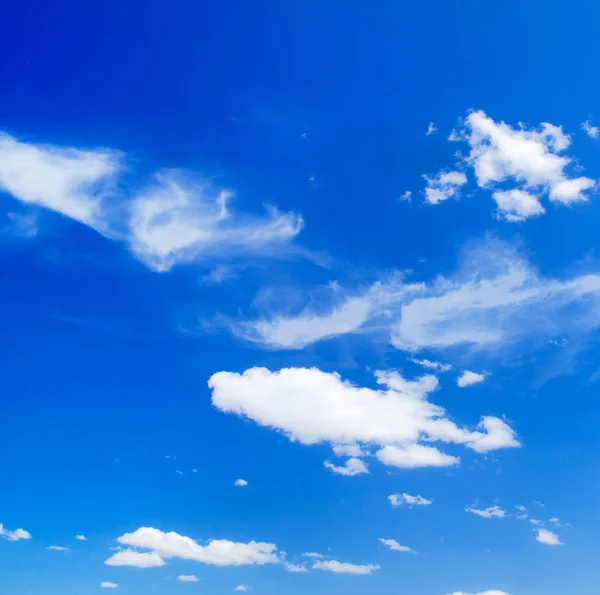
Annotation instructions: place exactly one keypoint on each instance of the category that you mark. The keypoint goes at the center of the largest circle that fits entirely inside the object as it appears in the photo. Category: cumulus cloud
(467, 378)
(137, 559)
(394, 418)
(188, 578)
(547, 537)
(240, 483)
(352, 467)
(517, 205)
(295, 567)
(177, 218)
(345, 567)
(394, 545)
(590, 130)
(108, 585)
(81, 537)
(407, 499)
(15, 535)
(488, 513)
(443, 186)
(531, 160)
(219, 552)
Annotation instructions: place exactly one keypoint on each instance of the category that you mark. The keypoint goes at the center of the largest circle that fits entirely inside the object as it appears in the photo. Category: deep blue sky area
(190, 191)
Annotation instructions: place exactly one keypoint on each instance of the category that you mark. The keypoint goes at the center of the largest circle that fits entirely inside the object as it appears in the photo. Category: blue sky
(345, 253)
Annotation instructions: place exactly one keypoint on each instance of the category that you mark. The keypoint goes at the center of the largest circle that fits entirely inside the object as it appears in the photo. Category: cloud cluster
(15, 535)
(396, 418)
(177, 217)
(161, 546)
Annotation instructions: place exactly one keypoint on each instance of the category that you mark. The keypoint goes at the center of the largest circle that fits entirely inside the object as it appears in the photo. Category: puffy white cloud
(179, 219)
(15, 535)
(108, 585)
(348, 450)
(137, 559)
(188, 578)
(554, 520)
(443, 186)
(240, 483)
(547, 537)
(295, 567)
(81, 537)
(312, 555)
(242, 588)
(58, 548)
(406, 196)
(467, 378)
(345, 567)
(536, 522)
(394, 545)
(488, 513)
(70, 181)
(431, 128)
(590, 130)
(517, 205)
(395, 418)
(402, 499)
(352, 467)
(219, 552)
(530, 157)
(436, 366)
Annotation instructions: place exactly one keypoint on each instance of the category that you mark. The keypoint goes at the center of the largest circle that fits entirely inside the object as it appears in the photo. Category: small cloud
(15, 535)
(394, 545)
(312, 555)
(240, 483)
(81, 537)
(547, 537)
(179, 472)
(295, 567)
(107, 585)
(443, 186)
(437, 366)
(194, 470)
(488, 513)
(188, 578)
(352, 467)
(242, 588)
(345, 567)
(431, 129)
(555, 520)
(406, 196)
(521, 508)
(402, 499)
(22, 225)
(58, 548)
(591, 131)
(468, 378)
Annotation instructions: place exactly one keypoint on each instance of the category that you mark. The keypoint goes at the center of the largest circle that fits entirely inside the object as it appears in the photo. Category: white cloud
(547, 537)
(219, 552)
(179, 219)
(531, 158)
(312, 555)
(488, 513)
(536, 522)
(188, 578)
(81, 537)
(352, 467)
(431, 128)
(436, 366)
(137, 559)
(70, 181)
(406, 196)
(298, 568)
(58, 548)
(107, 585)
(395, 417)
(242, 588)
(493, 592)
(15, 535)
(348, 450)
(467, 378)
(517, 205)
(240, 483)
(521, 508)
(345, 567)
(179, 472)
(443, 186)
(590, 130)
(394, 545)
(413, 456)
(554, 520)
(402, 499)
(496, 297)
